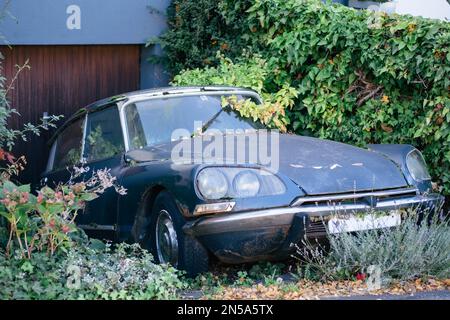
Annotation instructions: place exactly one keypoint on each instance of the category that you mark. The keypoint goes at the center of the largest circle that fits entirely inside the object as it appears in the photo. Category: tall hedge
(362, 77)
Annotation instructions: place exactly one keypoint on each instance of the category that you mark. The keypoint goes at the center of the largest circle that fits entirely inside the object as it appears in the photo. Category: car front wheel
(170, 244)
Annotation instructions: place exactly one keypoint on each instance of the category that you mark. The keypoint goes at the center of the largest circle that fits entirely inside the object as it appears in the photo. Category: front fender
(397, 153)
(142, 179)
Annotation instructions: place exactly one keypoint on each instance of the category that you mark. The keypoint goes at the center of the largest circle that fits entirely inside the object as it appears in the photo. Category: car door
(103, 149)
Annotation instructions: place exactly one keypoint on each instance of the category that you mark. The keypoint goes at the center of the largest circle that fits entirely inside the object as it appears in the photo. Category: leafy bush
(361, 77)
(88, 272)
(44, 222)
(196, 31)
(406, 252)
(248, 72)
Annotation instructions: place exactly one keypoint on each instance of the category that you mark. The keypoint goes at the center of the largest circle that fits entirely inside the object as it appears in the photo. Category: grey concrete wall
(47, 22)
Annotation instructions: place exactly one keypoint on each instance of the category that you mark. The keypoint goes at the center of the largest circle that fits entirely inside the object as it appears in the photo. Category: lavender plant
(409, 251)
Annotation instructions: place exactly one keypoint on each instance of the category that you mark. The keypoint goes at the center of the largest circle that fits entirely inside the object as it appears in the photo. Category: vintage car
(191, 209)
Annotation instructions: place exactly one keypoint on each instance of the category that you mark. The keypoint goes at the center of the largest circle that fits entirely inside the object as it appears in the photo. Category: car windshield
(153, 121)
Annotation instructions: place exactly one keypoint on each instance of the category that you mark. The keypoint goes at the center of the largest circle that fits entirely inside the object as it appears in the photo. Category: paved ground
(424, 295)
(429, 295)
(191, 295)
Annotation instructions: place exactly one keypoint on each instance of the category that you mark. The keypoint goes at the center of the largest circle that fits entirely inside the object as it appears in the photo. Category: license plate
(365, 222)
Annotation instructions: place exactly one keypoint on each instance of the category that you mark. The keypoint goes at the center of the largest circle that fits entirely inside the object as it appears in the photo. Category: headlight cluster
(416, 166)
(218, 183)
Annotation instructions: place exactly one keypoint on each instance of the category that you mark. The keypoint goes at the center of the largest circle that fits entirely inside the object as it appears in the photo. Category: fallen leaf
(386, 128)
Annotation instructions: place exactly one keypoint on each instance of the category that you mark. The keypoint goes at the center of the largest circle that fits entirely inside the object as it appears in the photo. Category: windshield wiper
(209, 122)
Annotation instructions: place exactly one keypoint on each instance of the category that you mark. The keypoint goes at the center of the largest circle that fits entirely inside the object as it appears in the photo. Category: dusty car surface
(238, 211)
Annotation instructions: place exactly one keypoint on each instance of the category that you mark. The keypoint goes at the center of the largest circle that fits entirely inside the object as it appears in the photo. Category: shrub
(88, 272)
(361, 77)
(248, 72)
(196, 31)
(406, 252)
(44, 222)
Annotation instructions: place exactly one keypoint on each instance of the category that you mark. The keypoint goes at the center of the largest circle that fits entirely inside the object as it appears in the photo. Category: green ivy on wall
(361, 77)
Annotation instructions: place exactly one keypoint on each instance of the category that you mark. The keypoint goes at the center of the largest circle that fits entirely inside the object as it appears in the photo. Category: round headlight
(417, 166)
(246, 184)
(212, 183)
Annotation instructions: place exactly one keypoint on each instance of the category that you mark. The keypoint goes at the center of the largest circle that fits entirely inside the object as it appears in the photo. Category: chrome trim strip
(123, 125)
(241, 221)
(381, 205)
(51, 157)
(193, 91)
(98, 227)
(83, 142)
(348, 196)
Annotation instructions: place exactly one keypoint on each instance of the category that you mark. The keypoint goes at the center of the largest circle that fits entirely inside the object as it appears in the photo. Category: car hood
(322, 166)
(317, 166)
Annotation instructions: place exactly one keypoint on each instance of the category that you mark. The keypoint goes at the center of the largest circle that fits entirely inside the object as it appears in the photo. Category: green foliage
(196, 31)
(88, 271)
(243, 279)
(267, 273)
(406, 252)
(44, 222)
(99, 147)
(248, 72)
(361, 77)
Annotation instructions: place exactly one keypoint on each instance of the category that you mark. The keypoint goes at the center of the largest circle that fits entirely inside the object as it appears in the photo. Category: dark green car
(241, 208)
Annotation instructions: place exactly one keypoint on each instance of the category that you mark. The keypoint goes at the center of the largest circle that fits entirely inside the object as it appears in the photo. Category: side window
(68, 146)
(136, 133)
(103, 135)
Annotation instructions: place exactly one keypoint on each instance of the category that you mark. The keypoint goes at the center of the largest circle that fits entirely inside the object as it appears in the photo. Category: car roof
(166, 91)
(162, 91)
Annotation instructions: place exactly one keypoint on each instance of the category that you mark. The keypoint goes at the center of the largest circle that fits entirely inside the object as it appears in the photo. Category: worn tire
(193, 258)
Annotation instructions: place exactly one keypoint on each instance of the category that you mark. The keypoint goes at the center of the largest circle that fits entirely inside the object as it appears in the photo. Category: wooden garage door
(61, 80)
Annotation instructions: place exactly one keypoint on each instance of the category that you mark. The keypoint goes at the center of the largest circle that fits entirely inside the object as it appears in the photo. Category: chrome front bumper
(271, 228)
(314, 207)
